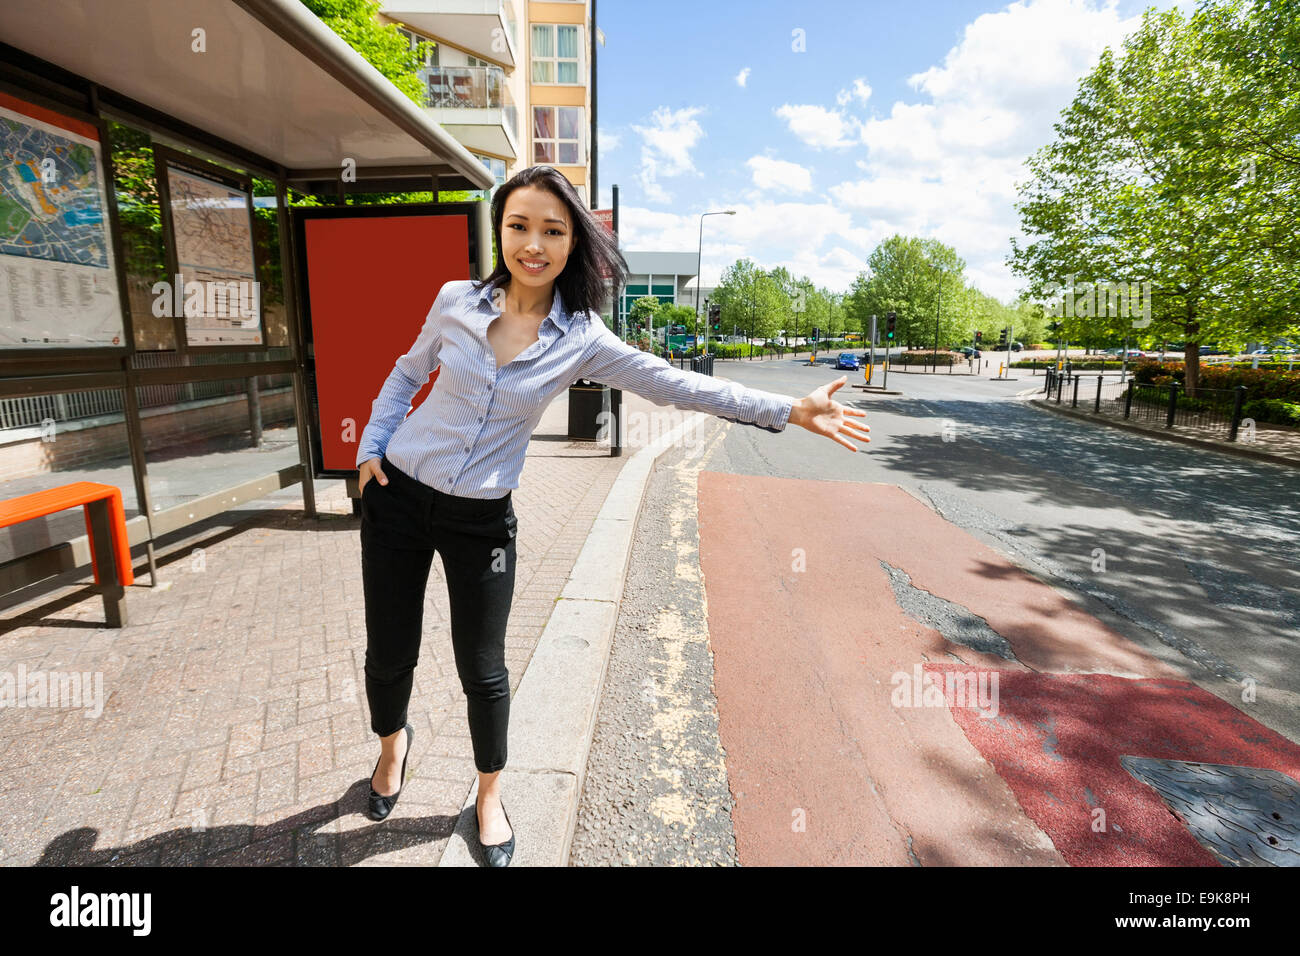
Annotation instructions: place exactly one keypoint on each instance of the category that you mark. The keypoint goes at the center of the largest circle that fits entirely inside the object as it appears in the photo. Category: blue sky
(910, 117)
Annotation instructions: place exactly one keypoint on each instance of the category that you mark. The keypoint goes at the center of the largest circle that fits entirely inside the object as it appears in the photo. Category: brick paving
(234, 728)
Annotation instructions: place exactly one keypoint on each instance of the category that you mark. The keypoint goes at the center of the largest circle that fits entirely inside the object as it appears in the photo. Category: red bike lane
(842, 747)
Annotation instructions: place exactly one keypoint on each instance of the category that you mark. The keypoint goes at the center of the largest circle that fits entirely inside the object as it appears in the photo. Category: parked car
(1017, 346)
(847, 360)
(969, 352)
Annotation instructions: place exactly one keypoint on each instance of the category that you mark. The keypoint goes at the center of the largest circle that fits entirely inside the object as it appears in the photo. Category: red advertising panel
(369, 283)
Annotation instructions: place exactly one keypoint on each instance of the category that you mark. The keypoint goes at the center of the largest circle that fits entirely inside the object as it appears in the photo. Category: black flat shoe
(497, 854)
(381, 806)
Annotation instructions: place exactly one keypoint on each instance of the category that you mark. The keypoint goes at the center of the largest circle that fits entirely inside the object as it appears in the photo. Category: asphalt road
(1188, 554)
(1192, 554)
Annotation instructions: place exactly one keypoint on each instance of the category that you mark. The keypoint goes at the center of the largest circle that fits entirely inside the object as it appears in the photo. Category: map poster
(58, 281)
(212, 229)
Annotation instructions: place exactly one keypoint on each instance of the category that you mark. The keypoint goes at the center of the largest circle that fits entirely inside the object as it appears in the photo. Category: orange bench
(110, 551)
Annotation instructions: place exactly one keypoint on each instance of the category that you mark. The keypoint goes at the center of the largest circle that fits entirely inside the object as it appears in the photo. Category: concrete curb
(1170, 435)
(553, 713)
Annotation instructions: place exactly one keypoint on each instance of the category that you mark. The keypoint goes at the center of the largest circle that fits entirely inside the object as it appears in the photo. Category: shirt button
(480, 418)
(467, 450)
(489, 388)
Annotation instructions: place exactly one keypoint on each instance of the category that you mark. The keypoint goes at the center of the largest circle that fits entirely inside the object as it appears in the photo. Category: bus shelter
(169, 325)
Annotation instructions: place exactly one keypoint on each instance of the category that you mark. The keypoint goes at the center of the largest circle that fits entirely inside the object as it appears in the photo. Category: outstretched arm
(612, 361)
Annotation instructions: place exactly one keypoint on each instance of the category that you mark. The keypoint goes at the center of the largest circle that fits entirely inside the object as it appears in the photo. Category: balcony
(473, 104)
(485, 28)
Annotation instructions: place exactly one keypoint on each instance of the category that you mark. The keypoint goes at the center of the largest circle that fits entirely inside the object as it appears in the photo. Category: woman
(442, 478)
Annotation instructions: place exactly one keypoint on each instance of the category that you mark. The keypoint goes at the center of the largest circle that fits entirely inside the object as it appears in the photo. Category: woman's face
(535, 228)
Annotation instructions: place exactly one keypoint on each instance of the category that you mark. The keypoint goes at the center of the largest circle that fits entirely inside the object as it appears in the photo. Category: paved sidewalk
(234, 727)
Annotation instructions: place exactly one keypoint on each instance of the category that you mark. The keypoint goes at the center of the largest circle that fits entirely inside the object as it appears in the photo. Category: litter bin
(587, 400)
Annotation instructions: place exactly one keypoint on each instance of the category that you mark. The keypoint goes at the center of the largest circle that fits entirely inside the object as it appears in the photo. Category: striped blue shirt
(470, 436)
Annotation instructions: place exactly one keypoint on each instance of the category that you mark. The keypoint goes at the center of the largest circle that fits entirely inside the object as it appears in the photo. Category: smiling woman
(445, 472)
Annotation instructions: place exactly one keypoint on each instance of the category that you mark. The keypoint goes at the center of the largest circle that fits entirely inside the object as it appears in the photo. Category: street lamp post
(699, 262)
(938, 299)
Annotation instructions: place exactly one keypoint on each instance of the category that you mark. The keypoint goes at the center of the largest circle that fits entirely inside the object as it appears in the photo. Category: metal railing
(29, 411)
(1210, 409)
(702, 364)
(469, 87)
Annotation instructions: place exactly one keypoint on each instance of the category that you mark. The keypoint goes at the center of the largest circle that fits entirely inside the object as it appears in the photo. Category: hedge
(1077, 365)
(1273, 411)
(1260, 383)
(927, 358)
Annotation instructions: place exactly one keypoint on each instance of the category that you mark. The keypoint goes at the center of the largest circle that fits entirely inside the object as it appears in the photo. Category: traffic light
(891, 319)
(1002, 338)
(817, 333)
(979, 337)
(715, 315)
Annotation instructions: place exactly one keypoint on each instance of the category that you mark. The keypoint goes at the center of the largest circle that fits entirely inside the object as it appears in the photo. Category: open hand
(822, 415)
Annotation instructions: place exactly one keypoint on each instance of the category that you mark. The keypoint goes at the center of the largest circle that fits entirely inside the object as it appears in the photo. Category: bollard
(1074, 399)
(1173, 404)
(1128, 398)
(1096, 409)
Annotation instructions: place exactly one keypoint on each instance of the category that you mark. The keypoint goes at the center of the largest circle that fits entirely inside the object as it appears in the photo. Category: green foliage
(1077, 365)
(645, 310)
(761, 303)
(927, 358)
(379, 43)
(1260, 383)
(1177, 163)
(1272, 410)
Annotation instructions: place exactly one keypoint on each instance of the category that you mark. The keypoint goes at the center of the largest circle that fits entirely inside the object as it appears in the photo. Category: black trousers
(402, 524)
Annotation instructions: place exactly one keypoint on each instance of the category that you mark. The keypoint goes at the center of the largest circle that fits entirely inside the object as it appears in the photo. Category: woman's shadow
(297, 840)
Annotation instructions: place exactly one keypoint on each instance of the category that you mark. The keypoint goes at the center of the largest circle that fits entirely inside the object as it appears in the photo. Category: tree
(751, 299)
(382, 46)
(1173, 179)
(389, 52)
(918, 280)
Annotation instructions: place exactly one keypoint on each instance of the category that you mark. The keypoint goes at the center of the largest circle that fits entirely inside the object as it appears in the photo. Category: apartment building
(511, 80)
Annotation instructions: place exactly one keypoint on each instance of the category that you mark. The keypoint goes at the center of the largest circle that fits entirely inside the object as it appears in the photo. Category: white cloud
(666, 147)
(860, 92)
(779, 175)
(772, 233)
(945, 166)
(742, 76)
(942, 163)
(606, 141)
(819, 127)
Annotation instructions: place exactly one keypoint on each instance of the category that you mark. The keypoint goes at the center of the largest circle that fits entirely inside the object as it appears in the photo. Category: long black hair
(595, 265)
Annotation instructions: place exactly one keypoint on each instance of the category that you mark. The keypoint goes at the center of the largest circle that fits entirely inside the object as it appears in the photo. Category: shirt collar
(559, 315)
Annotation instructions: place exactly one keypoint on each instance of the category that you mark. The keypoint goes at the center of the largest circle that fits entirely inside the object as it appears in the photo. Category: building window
(426, 49)
(557, 135)
(556, 53)
(498, 169)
